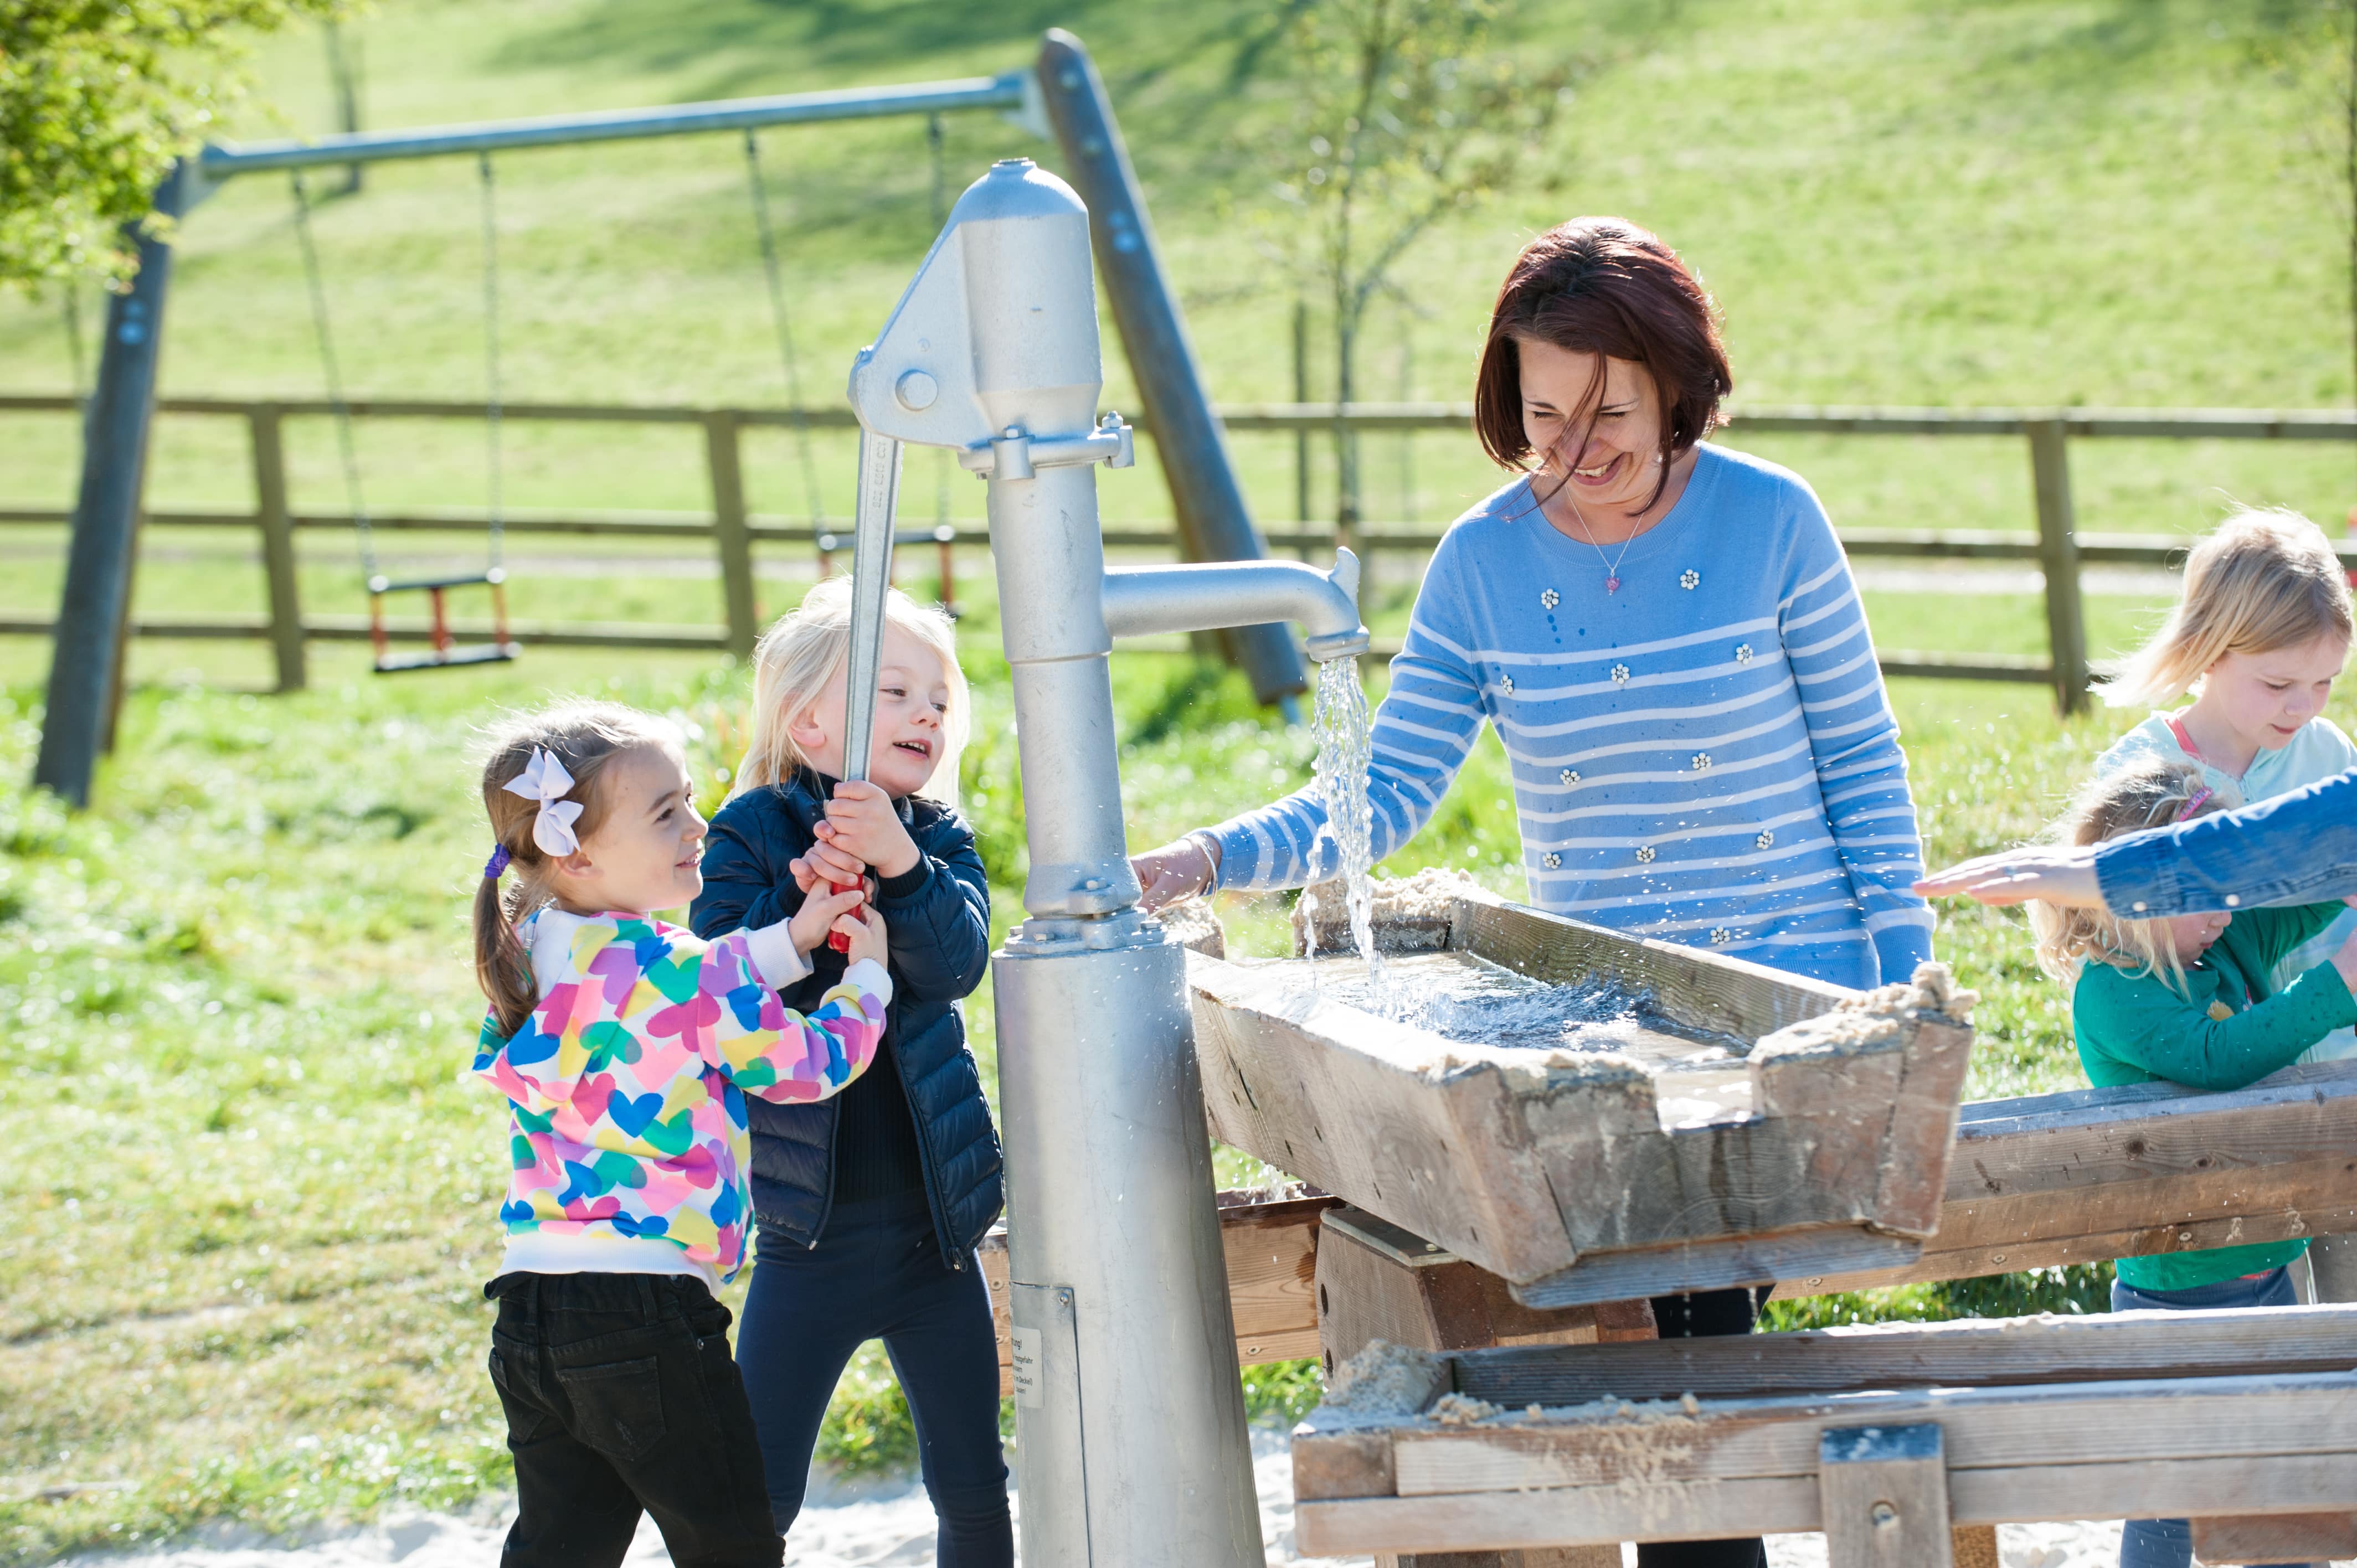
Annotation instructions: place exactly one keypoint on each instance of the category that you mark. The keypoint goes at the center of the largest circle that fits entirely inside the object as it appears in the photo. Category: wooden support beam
(1272, 1257)
(1883, 1493)
(2276, 1538)
(1376, 1281)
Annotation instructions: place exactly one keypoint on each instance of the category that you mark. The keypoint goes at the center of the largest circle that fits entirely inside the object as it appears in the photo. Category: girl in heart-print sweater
(626, 1071)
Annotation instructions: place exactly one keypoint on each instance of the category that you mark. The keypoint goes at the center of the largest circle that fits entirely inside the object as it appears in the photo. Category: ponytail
(586, 738)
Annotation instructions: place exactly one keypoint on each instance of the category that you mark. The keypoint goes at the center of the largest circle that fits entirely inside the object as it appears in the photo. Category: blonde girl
(2188, 999)
(627, 1048)
(870, 1207)
(2259, 637)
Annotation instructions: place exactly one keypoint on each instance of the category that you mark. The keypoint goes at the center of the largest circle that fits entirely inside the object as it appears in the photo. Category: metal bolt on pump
(1129, 1415)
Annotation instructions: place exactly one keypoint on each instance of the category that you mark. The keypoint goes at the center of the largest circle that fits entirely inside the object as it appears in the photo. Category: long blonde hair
(803, 650)
(588, 738)
(2257, 582)
(2150, 794)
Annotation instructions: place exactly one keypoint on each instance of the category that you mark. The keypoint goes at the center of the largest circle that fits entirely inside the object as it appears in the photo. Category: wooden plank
(1884, 1494)
(2276, 1538)
(1965, 1353)
(1823, 1252)
(2123, 1172)
(1706, 1509)
(2056, 1423)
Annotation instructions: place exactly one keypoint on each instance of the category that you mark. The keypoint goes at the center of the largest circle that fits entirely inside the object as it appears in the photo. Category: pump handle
(871, 579)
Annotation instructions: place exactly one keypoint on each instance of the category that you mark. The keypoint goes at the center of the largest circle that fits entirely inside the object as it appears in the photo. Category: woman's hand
(865, 931)
(819, 913)
(1175, 873)
(861, 822)
(2064, 876)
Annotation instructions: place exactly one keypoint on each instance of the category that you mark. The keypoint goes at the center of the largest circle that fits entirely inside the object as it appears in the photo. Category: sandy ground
(891, 1524)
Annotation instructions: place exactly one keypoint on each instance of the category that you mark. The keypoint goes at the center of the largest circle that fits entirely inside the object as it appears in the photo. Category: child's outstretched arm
(767, 1048)
(2152, 1027)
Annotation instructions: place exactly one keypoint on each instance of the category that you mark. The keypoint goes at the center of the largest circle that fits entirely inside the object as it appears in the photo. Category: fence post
(730, 530)
(1301, 435)
(2058, 557)
(277, 543)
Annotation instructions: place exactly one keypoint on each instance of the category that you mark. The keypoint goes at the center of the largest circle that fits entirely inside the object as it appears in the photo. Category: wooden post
(2058, 556)
(730, 530)
(264, 420)
(1301, 437)
(1884, 1491)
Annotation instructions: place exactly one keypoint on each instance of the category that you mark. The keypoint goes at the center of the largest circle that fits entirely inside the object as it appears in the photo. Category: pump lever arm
(871, 580)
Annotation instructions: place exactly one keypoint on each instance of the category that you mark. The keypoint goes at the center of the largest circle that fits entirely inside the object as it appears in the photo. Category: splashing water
(1345, 745)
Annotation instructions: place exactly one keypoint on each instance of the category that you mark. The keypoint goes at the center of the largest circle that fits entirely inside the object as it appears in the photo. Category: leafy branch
(97, 99)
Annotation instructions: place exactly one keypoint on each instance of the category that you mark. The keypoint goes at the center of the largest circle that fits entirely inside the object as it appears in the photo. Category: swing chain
(495, 455)
(334, 378)
(772, 267)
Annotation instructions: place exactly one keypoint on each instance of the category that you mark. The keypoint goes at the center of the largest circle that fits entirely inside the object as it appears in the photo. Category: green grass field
(252, 1204)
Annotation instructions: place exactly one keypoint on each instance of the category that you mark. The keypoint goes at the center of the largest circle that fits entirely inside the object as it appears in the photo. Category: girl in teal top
(2192, 999)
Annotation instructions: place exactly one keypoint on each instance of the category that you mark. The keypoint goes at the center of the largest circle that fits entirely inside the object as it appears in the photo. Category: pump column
(1129, 1411)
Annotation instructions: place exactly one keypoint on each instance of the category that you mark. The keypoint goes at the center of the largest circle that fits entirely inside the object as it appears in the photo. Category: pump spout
(1208, 596)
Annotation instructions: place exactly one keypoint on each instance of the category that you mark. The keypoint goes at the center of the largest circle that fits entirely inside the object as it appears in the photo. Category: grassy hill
(250, 1206)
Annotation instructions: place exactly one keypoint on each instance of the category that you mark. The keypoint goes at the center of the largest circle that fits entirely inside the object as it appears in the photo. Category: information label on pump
(1030, 1389)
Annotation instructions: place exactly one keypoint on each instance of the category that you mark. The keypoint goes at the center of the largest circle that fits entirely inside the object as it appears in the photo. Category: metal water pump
(1129, 1417)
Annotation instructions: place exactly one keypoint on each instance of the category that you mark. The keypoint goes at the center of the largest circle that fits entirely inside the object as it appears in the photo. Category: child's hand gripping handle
(838, 941)
(871, 580)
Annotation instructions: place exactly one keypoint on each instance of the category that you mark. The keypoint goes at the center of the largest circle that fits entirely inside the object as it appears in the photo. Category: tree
(97, 99)
(1406, 115)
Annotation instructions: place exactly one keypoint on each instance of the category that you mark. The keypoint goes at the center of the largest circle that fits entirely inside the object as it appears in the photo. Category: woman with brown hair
(1666, 637)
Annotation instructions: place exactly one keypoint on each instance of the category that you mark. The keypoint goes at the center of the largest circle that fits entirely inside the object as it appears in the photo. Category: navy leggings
(876, 1274)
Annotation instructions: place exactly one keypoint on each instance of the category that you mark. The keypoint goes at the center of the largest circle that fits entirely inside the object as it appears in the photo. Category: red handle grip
(835, 940)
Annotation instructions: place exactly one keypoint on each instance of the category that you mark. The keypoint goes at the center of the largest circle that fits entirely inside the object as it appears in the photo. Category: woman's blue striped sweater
(1705, 756)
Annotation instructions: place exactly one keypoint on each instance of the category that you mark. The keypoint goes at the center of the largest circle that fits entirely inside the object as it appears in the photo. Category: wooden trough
(1750, 1126)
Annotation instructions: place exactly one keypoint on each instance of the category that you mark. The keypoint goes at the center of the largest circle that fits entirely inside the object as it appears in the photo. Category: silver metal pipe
(222, 161)
(1128, 1406)
(1145, 600)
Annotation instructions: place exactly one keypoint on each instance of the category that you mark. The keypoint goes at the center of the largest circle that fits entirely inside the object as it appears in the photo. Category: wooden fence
(731, 530)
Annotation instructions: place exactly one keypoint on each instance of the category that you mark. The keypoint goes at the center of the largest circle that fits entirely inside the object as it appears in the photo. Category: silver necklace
(1612, 564)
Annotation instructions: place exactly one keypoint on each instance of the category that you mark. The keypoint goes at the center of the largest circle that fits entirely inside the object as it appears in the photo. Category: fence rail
(732, 528)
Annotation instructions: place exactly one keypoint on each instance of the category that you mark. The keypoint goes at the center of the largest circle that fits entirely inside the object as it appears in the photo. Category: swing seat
(442, 647)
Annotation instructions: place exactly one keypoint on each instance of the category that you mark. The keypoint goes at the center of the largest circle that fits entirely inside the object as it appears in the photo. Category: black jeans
(1702, 1314)
(876, 1274)
(621, 1396)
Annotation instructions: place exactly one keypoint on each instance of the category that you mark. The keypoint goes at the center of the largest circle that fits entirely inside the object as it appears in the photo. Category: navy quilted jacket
(938, 916)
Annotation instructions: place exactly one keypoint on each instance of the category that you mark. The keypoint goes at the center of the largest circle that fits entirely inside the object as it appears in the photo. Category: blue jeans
(876, 1274)
(2169, 1542)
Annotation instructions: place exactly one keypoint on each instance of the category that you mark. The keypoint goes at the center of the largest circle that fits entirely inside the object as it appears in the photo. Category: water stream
(1345, 734)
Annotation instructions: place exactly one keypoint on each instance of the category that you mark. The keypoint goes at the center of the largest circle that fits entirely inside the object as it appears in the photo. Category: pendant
(1611, 584)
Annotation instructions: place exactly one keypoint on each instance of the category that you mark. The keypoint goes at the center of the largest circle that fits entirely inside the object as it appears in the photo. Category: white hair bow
(543, 780)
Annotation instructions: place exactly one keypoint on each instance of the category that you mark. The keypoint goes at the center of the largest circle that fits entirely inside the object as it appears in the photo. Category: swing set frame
(1061, 99)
